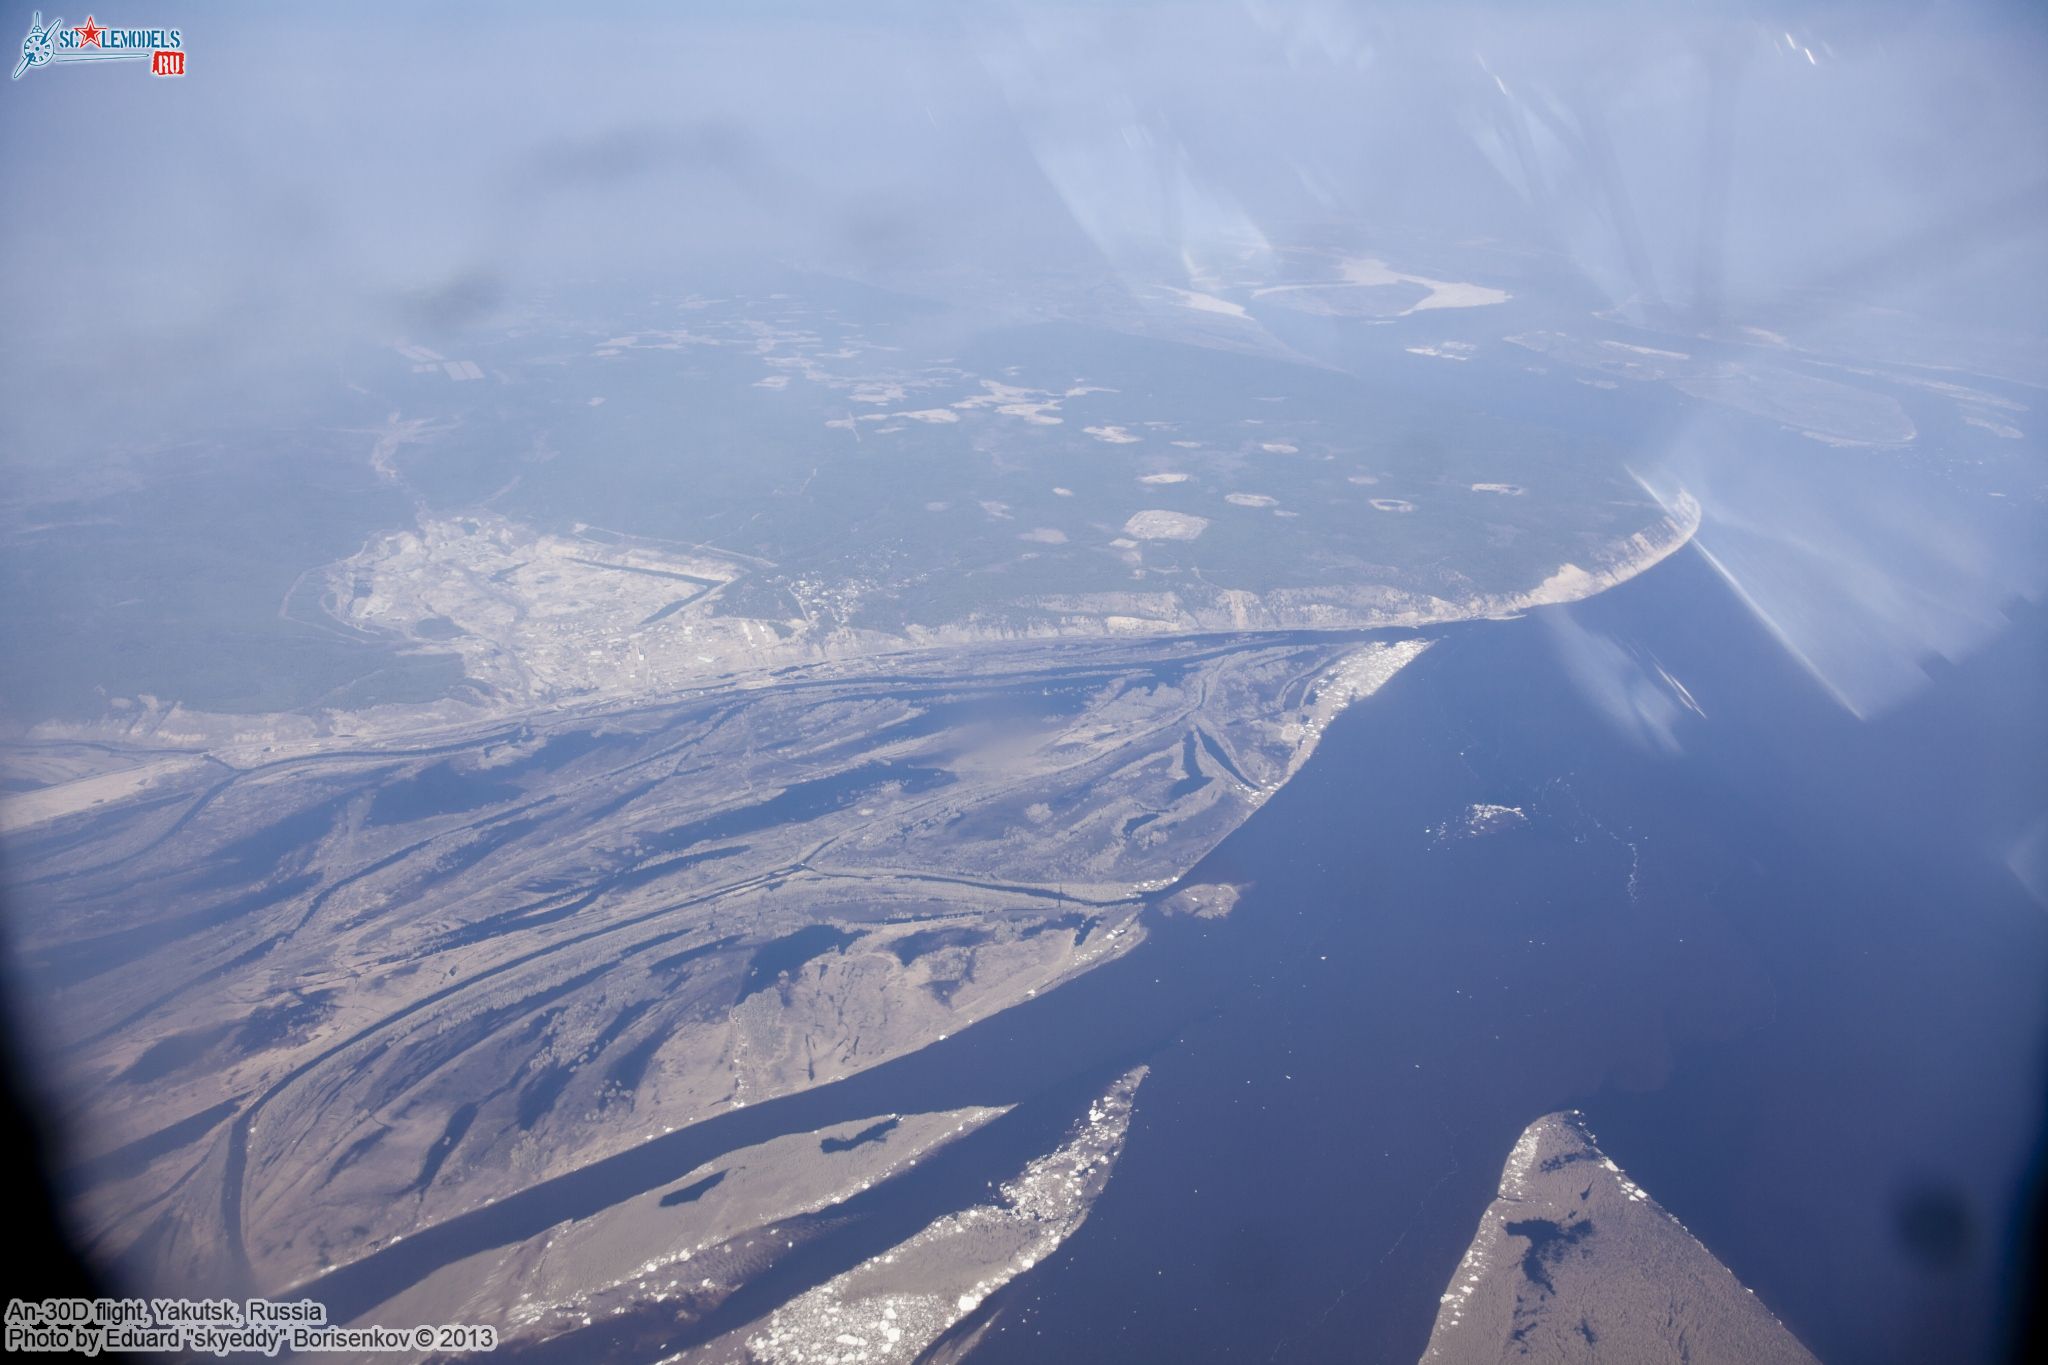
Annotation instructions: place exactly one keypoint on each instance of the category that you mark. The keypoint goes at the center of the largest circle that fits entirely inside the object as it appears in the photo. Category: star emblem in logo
(88, 33)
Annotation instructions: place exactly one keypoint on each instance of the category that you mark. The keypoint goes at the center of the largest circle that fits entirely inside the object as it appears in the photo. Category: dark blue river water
(1784, 971)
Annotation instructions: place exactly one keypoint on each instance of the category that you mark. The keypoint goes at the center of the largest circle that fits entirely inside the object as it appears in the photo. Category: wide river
(1784, 971)
(1774, 953)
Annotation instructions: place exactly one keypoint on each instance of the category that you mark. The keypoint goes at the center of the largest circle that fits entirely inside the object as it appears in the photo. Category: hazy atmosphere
(1093, 682)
